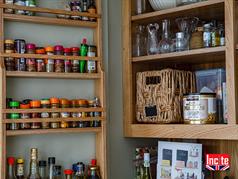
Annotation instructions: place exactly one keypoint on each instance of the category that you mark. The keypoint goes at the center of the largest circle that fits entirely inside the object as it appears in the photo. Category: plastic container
(45, 104)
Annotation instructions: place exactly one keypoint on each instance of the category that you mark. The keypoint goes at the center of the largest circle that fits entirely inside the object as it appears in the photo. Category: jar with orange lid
(45, 104)
(50, 63)
(74, 104)
(40, 64)
(9, 61)
(59, 63)
(35, 104)
(25, 116)
(82, 103)
(54, 105)
(64, 103)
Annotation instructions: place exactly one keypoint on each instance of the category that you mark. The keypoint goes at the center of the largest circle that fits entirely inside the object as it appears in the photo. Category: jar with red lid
(59, 63)
(67, 63)
(40, 64)
(50, 63)
(75, 64)
(35, 105)
(25, 116)
(31, 62)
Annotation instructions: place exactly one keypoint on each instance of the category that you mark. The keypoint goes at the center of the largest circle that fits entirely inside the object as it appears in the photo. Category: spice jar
(196, 40)
(92, 10)
(9, 2)
(30, 62)
(59, 64)
(75, 5)
(9, 61)
(20, 47)
(14, 105)
(40, 64)
(19, 3)
(67, 63)
(75, 65)
(64, 103)
(54, 105)
(82, 103)
(45, 104)
(207, 35)
(74, 104)
(50, 63)
(25, 116)
(91, 64)
(35, 105)
(68, 174)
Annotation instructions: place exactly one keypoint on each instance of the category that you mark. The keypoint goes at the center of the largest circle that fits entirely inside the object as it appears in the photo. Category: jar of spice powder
(45, 104)
(35, 104)
(91, 65)
(25, 116)
(74, 104)
(75, 64)
(14, 105)
(40, 64)
(67, 63)
(64, 103)
(54, 105)
(50, 63)
(31, 62)
(9, 61)
(82, 103)
(59, 63)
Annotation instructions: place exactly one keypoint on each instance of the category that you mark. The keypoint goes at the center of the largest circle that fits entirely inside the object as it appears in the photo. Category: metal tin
(200, 108)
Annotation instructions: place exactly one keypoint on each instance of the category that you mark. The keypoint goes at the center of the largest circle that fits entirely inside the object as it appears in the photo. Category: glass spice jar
(67, 63)
(9, 61)
(50, 63)
(9, 2)
(40, 64)
(31, 62)
(75, 64)
(45, 104)
(20, 47)
(83, 103)
(14, 105)
(54, 105)
(25, 116)
(59, 64)
(74, 104)
(91, 64)
(97, 123)
(35, 104)
(64, 103)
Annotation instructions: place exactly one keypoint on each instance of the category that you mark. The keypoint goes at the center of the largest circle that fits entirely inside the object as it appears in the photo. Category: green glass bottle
(83, 53)
(146, 173)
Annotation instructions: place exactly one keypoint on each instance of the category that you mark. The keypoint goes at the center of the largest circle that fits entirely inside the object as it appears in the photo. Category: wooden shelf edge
(53, 75)
(175, 9)
(183, 131)
(48, 10)
(49, 20)
(187, 53)
(51, 131)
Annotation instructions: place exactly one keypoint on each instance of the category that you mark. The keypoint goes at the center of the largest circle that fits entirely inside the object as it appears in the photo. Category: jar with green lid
(64, 103)
(54, 105)
(74, 104)
(9, 61)
(14, 105)
(45, 104)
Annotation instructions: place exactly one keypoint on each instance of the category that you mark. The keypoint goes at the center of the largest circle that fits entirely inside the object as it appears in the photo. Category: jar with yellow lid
(45, 104)
(64, 103)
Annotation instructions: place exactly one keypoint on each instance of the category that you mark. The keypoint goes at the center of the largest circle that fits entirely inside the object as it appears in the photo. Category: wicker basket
(160, 94)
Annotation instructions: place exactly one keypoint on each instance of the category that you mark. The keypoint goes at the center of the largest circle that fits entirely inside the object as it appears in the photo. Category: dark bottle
(34, 169)
(51, 164)
(93, 173)
(10, 172)
(20, 169)
(92, 10)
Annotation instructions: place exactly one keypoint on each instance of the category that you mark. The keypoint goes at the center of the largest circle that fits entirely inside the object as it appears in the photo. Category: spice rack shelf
(214, 51)
(53, 75)
(49, 19)
(51, 131)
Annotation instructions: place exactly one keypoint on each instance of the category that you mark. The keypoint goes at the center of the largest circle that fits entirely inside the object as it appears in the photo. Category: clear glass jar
(31, 62)
(180, 42)
(91, 66)
(45, 104)
(54, 105)
(221, 34)
(139, 41)
(14, 105)
(74, 104)
(20, 3)
(57, 172)
(153, 39)
(50, 63)
(64, 103)
(59, 64)
(207, 35)
(67, 63)
(9, 61)
(166, 42)
(141, 6)
(35, 105)
(25, 116)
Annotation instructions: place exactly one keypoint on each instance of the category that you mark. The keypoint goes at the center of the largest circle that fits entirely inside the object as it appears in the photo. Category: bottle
(57, 172)
(10, 173)
(51, 164)
(85, 9)
(146, 173)
(221, 34)
(42, 169)
(20, 168)
(166, 42)
(215, 38)
(79, 174)
(180, 42)
(34, 169)
(83, 53)
(207, 35)
(139, 41)
(68, 174)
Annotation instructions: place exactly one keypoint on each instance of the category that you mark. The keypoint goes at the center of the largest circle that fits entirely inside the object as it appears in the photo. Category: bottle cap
(14, 104)
(10, 160)
(180, 35)
(58, 48)
(84, 41)
(49, 49)
(68, 172)
(40, 50)
(93, 162)
(51, 160)
(24, 106)
(67, 50)
(30, 46)
(20, 160)
(54, 100)
(74, 49)
(83, 102)
(42, 163)
(26, 101)
(35, 104)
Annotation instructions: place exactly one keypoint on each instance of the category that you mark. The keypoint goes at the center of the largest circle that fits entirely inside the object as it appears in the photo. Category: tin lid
(17, 40)
(25, 106)
(74, 102)
(93, 162)
(49, 49)
(68, 172)
(11, 160)
(30, 46)
(14, 104)
(9, 41)
(58, 48)
(20, 160)
(35, 104)
(40, 50)
(54, 100)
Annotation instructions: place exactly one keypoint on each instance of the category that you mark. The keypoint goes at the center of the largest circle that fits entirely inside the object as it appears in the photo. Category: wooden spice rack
(224, 136)
(98, 79)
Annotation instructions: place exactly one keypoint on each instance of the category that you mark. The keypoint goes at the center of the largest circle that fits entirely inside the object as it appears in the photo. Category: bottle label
(222, 41)
(91, 65)
(20, 170)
